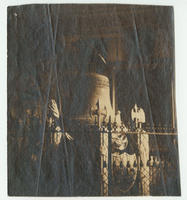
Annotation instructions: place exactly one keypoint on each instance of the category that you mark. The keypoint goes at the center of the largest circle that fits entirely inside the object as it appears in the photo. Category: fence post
(109, 156)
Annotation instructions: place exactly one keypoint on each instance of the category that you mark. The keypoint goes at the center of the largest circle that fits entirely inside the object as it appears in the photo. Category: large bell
(90, 98)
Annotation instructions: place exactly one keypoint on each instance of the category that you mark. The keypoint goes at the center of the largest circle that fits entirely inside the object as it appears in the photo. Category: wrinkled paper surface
(71, 67)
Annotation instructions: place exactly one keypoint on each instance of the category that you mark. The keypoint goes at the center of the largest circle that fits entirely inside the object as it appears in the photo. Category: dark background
(47, 41)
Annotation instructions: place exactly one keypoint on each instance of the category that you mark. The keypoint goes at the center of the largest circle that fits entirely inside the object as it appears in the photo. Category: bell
(90, 99)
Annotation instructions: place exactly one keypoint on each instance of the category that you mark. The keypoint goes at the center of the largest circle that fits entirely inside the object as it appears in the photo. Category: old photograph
(91, 100)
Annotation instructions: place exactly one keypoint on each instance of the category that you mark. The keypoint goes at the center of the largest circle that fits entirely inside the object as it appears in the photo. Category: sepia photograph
(91, 101)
